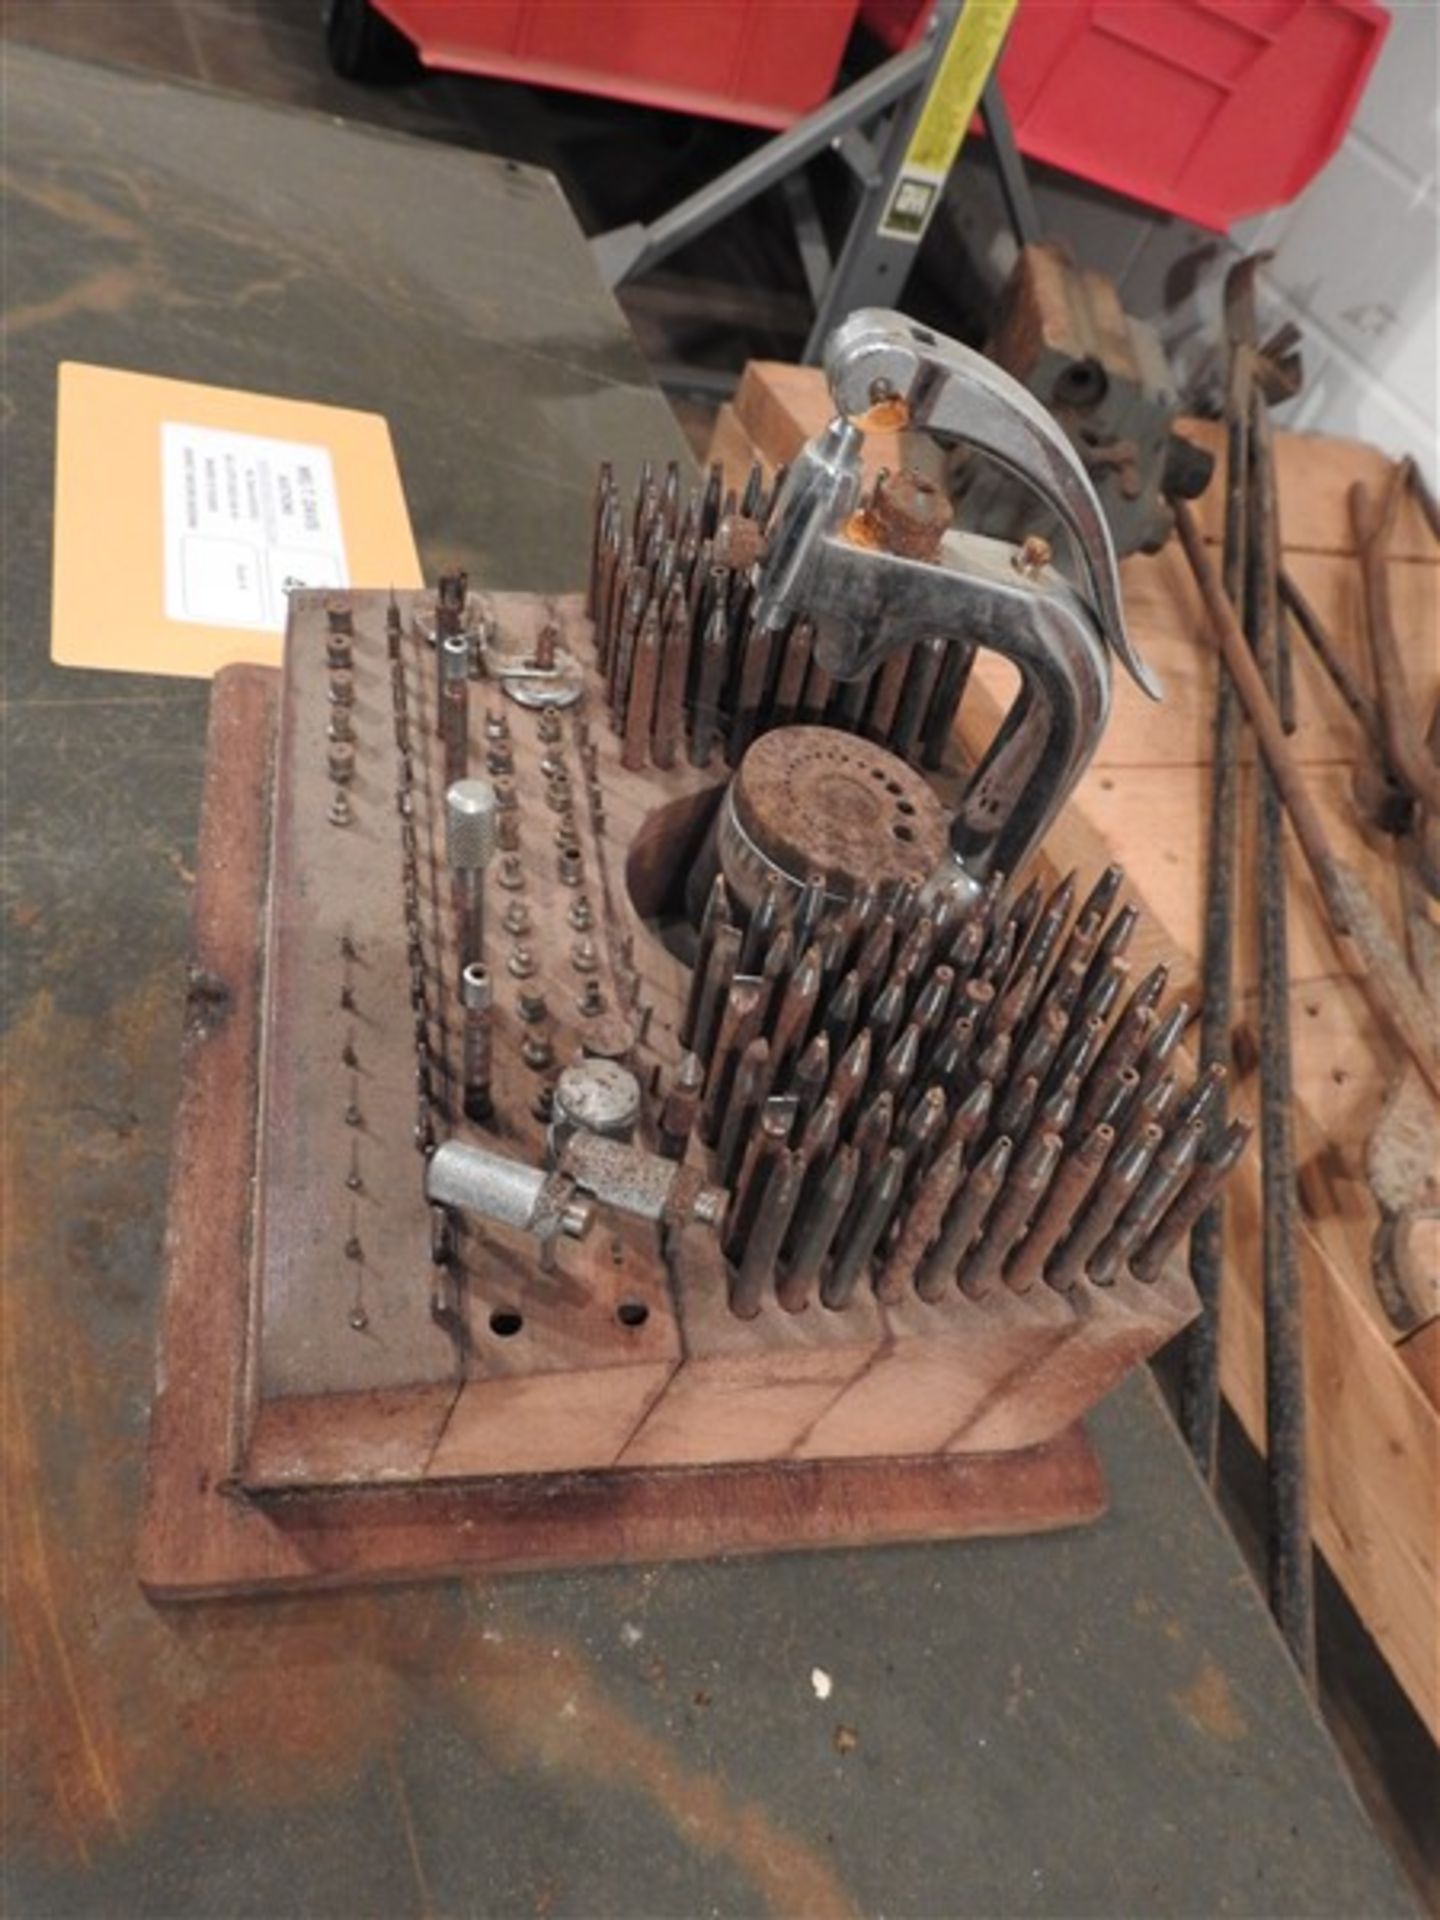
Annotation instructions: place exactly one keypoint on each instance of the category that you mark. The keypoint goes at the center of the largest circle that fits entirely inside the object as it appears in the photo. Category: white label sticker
(245, 520)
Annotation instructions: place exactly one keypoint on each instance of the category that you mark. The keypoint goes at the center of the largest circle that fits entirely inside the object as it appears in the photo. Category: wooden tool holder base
(204, 1536)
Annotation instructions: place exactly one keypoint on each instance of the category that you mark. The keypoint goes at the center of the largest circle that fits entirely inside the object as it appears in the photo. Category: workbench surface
(1096, 1722)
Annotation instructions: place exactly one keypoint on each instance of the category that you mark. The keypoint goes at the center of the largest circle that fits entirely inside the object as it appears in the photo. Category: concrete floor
(739, 295)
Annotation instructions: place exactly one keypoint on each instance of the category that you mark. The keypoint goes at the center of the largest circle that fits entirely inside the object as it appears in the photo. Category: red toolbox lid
(1210, 109)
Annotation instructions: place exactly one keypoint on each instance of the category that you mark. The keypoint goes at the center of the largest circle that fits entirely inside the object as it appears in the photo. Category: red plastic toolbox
(1211, 109)
(764, 62)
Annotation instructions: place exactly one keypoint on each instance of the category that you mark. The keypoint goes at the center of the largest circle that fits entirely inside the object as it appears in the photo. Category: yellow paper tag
(184, 514)
(975, 43)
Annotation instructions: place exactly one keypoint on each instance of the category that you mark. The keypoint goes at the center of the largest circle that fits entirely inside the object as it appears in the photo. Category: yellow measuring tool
(975, 42)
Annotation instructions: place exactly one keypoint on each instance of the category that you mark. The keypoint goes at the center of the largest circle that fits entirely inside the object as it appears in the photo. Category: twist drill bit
(1075, 1178)
(470, 835)
(875, 1207)
(1108, 1201)
(681, 1107)
(817, 1220)
(1024, 1191)
(941, 1266)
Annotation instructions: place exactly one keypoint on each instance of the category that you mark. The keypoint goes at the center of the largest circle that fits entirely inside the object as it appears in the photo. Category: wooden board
(1374, 1432)
(626, 1354)
(203, 1536)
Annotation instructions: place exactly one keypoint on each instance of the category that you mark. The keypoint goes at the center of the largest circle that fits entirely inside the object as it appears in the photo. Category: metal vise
(866, 600)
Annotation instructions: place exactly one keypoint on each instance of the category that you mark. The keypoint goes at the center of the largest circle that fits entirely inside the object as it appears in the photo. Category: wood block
(920, 1394)
(202, 1536)
(751, 1389)
(1112, 1329)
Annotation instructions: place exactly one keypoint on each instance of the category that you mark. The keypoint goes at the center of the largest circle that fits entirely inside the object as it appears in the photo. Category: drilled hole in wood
(632, 1313)
(505, 1323)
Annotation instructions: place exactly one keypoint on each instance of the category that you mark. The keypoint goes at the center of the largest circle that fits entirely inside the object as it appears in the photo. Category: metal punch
(866, 603)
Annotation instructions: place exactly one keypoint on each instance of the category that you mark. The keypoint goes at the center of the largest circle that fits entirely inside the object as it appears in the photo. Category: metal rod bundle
(972, 1099)
(670, 597)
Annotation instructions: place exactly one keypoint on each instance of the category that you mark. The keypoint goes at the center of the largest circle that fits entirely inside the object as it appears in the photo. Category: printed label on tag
(245, 519)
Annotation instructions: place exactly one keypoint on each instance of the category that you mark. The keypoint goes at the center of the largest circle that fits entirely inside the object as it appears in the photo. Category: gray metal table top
(1092, 1723)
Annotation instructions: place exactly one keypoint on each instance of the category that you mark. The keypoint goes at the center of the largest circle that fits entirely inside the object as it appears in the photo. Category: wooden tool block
(204, 1536)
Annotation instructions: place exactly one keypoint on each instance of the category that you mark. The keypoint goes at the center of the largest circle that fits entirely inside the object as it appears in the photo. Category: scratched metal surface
(1084, 1724)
